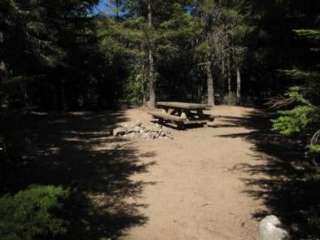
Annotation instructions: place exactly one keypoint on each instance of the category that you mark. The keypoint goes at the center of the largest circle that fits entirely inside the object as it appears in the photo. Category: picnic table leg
(164, 110)
(168, 110)
(200, 114)
(161, 121)
(181, 126)
(171, 111)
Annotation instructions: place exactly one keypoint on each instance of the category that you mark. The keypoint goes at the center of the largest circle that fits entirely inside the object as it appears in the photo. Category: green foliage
(314, 150)
(135, 87)
(299, 74)
(59, 38)
(122, 38)
(31, 214)
(177, 33)
(171, 39)
(294, 121)
(295, 95)
(312, 34)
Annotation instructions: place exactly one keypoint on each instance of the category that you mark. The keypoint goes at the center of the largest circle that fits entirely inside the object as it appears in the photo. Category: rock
(138, 124)
(145, 135)
(138, 130)
(131, 135)
(120, 131)
(183, 116)
(211, 124)
(154, 127)
(270, 229)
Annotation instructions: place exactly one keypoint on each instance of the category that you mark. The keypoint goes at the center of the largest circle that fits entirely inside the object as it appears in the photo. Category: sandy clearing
(199, 190)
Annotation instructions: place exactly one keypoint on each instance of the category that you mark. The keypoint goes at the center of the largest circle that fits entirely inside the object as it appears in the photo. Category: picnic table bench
(181, 113)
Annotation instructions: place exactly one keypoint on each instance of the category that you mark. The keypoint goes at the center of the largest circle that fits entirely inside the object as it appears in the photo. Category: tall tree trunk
(211, 100)
(238, 85)
(144, 79)
(152, 92)
(3, 77)
(229, 76)
(3, 72)
(223, 75)
(118, 9)
(145, 73)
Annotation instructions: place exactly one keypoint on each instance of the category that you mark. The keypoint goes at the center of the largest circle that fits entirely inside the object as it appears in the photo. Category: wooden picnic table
(182, 113)
(183, 105)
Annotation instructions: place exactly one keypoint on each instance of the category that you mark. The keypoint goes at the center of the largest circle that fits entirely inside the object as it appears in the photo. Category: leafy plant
(135, 88)
(294, 121)
(32, 214)
(314, 150)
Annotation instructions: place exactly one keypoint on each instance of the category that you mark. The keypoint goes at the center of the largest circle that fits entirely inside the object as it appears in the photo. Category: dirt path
(199, 189)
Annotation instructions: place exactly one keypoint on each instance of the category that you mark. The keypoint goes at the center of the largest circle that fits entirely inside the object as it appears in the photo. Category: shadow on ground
(76, 151)
(284, 179)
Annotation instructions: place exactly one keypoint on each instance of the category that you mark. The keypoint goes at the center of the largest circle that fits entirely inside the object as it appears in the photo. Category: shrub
(135, 87)
(32, 214)
(296, 120)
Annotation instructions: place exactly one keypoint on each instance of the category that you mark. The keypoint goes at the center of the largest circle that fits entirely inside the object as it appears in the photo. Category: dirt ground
(205, 183)
(199, 181)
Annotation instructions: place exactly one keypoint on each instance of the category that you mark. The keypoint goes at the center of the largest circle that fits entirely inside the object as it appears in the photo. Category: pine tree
(303, 100)
(143, 43)
(222, 38)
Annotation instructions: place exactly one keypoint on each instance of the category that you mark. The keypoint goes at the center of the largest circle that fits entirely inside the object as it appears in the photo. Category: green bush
(296, 120)
(314, 151)
(32, 214)
(135, 87)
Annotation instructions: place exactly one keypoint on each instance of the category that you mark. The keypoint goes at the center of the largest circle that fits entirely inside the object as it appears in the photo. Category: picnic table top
(183, 105)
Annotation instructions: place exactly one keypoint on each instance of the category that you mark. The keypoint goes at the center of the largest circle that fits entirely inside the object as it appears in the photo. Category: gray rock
(138, 130)
(138, 124)
(270, 229)
(157, 125)
(120, 131)
(131, 135)
(145, 135)
(183, 116)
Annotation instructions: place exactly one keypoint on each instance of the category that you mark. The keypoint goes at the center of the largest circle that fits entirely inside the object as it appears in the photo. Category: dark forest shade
(67, 55)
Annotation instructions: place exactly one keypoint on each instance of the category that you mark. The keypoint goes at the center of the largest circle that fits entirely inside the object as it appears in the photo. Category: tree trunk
(238, 85)
(211, 100)
(3, 78)
(152, 92)
(118, 9)
(3, 72)
(145, 87)
(229, 76)
(223, 75)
